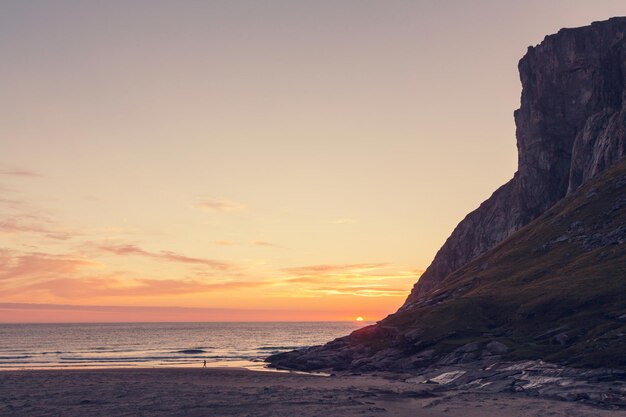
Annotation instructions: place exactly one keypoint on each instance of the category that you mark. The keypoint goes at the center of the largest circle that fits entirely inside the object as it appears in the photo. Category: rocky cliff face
(552, 291)
(571, 126)
(537, 271)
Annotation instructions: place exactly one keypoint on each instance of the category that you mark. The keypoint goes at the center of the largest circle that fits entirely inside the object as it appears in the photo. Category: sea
(101, 345)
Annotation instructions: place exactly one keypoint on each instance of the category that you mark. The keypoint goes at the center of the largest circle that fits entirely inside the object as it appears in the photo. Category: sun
(359, 318)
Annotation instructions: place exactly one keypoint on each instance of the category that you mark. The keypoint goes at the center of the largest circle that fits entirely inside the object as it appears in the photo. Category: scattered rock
(447, 377)
(191, 351)
(561, 339)
(496, 348)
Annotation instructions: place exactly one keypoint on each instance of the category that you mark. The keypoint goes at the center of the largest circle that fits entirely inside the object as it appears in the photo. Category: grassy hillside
(554, 290)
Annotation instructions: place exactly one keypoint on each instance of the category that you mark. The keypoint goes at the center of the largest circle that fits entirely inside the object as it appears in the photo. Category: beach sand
(240, 392)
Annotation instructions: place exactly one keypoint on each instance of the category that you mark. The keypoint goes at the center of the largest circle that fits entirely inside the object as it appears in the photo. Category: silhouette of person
(204, 366)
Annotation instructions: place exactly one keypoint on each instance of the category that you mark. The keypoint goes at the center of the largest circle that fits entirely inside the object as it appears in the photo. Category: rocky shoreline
(605, 388)
(481, 370)
(527, 294)
(238, 392)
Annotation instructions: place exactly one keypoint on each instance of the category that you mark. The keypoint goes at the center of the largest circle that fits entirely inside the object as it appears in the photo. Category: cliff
(537, 271)
(570, 127)
(554, 290)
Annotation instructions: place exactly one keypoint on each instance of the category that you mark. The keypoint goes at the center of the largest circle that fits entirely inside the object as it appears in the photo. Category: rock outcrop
(554, 291)
(537, 272)
(571, 126)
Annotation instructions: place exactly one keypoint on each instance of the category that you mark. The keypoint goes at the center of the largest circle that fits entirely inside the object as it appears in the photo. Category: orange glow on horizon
(57, 313)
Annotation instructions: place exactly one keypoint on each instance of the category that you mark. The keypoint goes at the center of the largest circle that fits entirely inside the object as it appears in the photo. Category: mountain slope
(555, 290)
(538, 271)
(571, 126)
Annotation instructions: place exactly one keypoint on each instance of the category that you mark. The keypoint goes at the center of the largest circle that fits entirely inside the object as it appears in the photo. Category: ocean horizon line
(193, 322)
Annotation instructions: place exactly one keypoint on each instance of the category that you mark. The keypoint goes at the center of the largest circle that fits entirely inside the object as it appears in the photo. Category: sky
(245, 160)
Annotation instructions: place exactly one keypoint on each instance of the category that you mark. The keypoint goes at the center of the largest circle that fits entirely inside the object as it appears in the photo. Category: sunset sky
(249, 160)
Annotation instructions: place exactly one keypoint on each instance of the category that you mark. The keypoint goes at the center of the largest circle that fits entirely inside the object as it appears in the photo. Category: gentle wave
(191, 351)
(279, 348)
(149, 358)
(154, 344)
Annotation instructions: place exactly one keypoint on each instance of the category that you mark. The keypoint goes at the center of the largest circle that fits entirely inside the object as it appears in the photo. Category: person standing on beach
(204, 366)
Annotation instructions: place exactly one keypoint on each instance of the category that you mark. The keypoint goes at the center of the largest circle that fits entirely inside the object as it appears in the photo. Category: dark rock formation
(571, 126)
(191, 351)
(605, 388)
(554, 290)
(538, 270)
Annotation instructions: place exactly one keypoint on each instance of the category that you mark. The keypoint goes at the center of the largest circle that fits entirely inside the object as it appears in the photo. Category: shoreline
(235, 391)
(253, 366)
(157, 344)
(240, 364)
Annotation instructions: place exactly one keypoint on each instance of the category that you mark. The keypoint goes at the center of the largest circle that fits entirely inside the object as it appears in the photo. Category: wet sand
(240, 392)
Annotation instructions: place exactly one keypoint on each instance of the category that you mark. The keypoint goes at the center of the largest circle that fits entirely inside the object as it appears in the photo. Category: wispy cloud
(224, 242)
(175, 310)
(20, 216)
(9, 199)
(37, 265)
(14, 226)
(219, 205)
(266, 244)
(19, 172)
(360, 279)
(30, 312)
(329, 269)
(122, 309)
(13, 203)
(363, 291)
(262, 243)
(129, 250)
(323, 286)
(111, 286)
(70, 277)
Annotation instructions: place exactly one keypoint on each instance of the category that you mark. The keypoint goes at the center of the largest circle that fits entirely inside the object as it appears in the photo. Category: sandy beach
(241, 392)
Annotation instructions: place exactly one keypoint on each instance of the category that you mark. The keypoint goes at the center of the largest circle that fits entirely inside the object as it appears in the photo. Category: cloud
(330, 269)
(36, 265)
(265, 244)
(307, 280)
(262, 243)
(220, 205)
(360, 280)
(128, 250)
(122, 309)
(14, 226)
(19, 172)
(54, 313)
(12, 203)
(224, 242)
(111, 286)
(320, 286)
(336, 278)
(323, 286)
(37, 274)
(16, 204)
(20, 217)
(364, 291)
